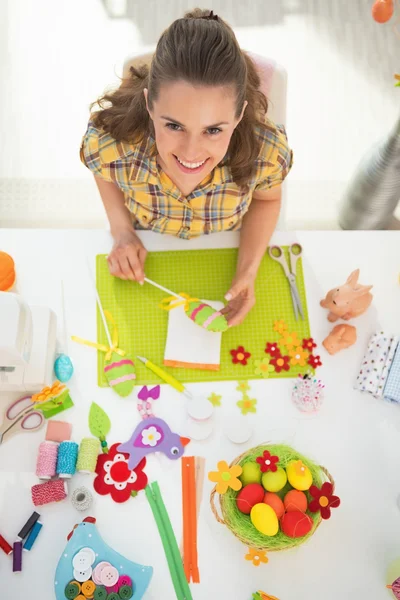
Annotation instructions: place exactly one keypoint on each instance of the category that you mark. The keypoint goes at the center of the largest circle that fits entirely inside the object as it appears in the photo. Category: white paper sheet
(191, 344)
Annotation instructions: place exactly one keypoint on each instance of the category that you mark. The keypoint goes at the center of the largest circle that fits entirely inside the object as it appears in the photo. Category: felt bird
(153, 435)
(395, 587)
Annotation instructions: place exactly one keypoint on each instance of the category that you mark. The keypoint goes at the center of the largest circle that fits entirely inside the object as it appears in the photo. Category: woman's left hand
(241, 299)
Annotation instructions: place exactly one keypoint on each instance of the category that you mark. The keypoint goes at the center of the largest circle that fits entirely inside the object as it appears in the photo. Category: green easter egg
(274, 482)
(251, 473)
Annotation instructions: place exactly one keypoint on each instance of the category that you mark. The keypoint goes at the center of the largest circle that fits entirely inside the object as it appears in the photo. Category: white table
(355, 436)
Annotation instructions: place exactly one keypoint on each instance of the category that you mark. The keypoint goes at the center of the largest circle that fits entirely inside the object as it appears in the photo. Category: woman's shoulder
(274, 142)
(103, 144)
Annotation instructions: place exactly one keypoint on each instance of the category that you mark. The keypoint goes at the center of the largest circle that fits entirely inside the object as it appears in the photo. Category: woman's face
(193, 127)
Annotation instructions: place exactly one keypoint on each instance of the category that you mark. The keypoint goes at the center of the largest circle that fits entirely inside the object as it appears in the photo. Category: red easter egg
(295, 501)
(275, 503)
(382, 10)
(296, 524)
(249, 496)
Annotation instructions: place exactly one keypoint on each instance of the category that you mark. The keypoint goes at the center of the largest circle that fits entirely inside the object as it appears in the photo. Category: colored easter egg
(274, 481)
(296, 524)
(264, 519)
(251, 473)
(7, 272)
(299, 475)
(249, 496)
(63, 368)
(120, 374)
(206, 316)
(295, 500)
(275, 503)
(382, 10)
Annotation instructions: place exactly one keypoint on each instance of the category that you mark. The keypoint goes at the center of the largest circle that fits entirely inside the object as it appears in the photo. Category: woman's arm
(127, 258)
(257, 228)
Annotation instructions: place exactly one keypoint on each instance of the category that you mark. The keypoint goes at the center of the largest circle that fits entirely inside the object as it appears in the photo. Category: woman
(184, 147)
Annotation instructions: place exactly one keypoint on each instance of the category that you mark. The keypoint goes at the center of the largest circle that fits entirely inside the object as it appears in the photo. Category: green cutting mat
(206, 274)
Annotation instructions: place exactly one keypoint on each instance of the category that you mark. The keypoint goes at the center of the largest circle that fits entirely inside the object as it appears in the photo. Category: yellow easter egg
(274, 481)
(299, 475)
(251, 473)
(264, 519)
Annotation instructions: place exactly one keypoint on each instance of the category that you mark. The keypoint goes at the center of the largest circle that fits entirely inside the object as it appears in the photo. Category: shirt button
(231, 223)
(100, 593)
(72, 590)
(124, 580)
(125, 592)
(186, 229)
(109, 577)
(144, 218)
(82, 576)
(98, 570)
(83, 560)
(113, 596)
(88, 589)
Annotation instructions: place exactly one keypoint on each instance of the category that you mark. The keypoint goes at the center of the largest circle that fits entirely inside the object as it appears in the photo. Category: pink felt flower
(115, 478)
(281, 363)
(314, 361)
(267, 462)
(323, 500)
(272, 349)
(240, 356)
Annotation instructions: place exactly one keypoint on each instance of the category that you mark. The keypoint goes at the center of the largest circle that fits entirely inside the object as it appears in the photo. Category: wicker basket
(266, 543)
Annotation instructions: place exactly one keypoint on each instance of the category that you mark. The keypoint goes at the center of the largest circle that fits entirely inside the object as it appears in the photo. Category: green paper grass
(241, 525)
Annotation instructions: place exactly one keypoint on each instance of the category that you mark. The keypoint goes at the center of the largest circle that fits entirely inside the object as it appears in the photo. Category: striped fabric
(217, 204)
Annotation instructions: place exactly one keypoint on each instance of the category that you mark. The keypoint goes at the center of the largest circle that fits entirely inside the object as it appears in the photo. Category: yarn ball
(206, 316)
(275, 503)
(66, 460)
(120, 374)
(47, 460)
(50, 491)
(382, 10)
(295, 500)
(7, 272)
(88, 453)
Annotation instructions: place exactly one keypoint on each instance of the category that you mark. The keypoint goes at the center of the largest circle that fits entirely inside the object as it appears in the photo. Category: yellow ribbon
(102, 347)
(173, 302)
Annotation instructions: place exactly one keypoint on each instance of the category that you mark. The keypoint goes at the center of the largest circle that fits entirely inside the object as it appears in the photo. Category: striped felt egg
(206, 316)
(120, 374)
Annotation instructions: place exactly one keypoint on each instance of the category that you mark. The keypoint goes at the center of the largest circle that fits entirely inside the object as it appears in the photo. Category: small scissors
(295, 251)
(20, 416)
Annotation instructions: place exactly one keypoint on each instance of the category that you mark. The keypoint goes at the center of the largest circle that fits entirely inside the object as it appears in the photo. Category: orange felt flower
(226, 477)
(49, 392)
(290, 340)
(256, 556)
(299, 356)
(280, 326)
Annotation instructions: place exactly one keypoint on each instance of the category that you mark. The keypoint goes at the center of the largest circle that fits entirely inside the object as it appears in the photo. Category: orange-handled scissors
(20, 416)
(295, 251)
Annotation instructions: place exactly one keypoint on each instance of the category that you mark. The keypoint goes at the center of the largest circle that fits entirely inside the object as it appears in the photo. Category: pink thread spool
(50, 491)
(47, 460)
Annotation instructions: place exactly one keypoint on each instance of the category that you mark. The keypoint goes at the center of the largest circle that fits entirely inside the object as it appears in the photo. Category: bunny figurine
(349, 300)
(341, 337)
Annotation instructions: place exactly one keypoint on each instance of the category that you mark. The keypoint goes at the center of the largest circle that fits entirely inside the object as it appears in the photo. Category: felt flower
(247, 405)
(263, 367)
(280, 326)
(226, 477)
(240, 356)
(280, 363)
(299, 467)
(272, 349)
(115, 478)
(215, 399)
(256, 557)
(298, 356)
(150, 437)
(323, 500)
(243, 387)
(314, 361)
(290, 340)
(267, 462)
(263, 596)
(49, 392)
(309, 344)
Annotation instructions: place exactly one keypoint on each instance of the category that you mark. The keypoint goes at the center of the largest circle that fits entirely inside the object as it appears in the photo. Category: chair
(273, 84)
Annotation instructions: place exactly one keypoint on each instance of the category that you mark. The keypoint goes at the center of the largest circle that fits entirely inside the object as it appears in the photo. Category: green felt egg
(251, 473)
(274, 481)
(206, 316)
(120, 374)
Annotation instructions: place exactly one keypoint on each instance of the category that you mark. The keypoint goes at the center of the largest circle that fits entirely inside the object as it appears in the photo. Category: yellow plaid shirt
(217, 204)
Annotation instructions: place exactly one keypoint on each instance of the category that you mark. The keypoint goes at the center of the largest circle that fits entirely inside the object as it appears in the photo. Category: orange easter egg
(382, 10)
(275, 503)
(295, 500)
(296, 524)
(7, 272)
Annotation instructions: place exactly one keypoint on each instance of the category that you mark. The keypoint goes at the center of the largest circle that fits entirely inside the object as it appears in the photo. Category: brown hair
(201, 49)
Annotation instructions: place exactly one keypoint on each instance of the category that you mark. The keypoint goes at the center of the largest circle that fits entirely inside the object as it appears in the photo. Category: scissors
(295, 251)
(20, 416)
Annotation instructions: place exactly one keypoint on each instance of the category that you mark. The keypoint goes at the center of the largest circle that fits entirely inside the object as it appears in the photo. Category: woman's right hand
(127, 258)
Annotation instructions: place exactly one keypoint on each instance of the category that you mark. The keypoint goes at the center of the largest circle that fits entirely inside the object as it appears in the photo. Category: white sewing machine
(27, 345)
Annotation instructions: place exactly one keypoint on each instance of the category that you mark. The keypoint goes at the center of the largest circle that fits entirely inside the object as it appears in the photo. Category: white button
(91, 553)
(82, 561)
(82, 576)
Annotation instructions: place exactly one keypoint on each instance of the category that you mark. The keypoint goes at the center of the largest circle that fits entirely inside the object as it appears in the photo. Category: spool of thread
(82, 499)
(31, 539)
(17, 557)
(67, 457)
(5, 546)
(27, 528)
(47, 460)
(54, 490)
(88, 453)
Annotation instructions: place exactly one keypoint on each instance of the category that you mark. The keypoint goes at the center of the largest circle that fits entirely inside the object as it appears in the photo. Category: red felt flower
(114, 477)
(267, 462)
(240, 356)
(314, 361)
(309, 344)
(272, 349)
(281, 363)
(323, 500)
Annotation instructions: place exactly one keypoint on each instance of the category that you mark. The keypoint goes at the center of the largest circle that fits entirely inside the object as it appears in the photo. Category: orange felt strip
(189, 508)
(188, 365)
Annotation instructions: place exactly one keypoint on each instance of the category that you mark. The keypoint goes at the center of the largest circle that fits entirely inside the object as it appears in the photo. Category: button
(100, 593)
(112, 589)
(231, 223)
(83, 560)
(126, 592)
(80, 597)
(109, 576)
(113, 596)
(144, 218)
(72, 590)
(82, 576)
(97, 571)
(186, 229)
(88, 589)
(124, 580)
(92, 554)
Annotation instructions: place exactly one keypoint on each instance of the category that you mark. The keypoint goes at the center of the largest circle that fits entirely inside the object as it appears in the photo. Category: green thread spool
(87, 456)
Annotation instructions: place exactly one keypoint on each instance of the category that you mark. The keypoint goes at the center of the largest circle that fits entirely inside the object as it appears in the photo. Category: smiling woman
(184, 147)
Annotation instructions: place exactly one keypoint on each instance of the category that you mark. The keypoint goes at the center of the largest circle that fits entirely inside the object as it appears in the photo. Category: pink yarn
(47, 460)
(50, 491)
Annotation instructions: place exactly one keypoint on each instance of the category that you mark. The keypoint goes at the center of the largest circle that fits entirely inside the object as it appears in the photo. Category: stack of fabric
(379, 374)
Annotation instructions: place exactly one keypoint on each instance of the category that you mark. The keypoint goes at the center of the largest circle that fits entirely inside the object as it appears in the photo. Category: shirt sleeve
(89, 152)
(279, 159)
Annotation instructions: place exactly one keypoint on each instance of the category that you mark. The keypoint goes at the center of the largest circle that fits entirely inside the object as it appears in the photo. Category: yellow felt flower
(290, 340)
(299, 356)
(247, 405)
(280, 326)
(256, 556)
(226, 477)
(243, 387)
(215, 399)
(49, 392)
